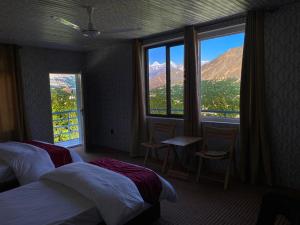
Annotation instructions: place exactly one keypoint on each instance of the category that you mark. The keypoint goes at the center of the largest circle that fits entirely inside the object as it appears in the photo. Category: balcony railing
(65, 126)
(224, 113)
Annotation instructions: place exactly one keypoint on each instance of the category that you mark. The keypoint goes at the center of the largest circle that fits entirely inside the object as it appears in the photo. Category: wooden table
(181, 141)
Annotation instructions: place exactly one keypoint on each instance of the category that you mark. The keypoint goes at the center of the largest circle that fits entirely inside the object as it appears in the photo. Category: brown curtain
(191, 83)
(139, 123)
(11, 108)
(255, 151)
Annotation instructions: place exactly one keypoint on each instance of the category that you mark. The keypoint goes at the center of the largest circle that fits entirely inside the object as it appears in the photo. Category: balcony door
(67, 108)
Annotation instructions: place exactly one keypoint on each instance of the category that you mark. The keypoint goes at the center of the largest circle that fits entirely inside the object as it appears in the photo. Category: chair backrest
(161, 131)
(223, 134)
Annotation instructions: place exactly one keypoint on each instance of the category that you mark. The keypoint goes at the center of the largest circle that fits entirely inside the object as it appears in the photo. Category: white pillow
(116, 196)
(28, 162)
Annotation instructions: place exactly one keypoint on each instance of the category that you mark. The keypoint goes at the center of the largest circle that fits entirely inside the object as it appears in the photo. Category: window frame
(167, 46)
(215, 33)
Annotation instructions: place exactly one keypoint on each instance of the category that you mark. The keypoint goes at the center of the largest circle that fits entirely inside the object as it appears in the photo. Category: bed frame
(147, 217)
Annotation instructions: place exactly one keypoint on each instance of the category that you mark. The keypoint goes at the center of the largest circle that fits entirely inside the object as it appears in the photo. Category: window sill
(212, 120)
(164, 118)
(220, 120)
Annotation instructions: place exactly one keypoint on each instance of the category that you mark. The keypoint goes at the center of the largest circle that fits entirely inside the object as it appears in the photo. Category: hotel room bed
(63, 206)
(7, 174)
(79, 194)
(8, 177)
(46, 203)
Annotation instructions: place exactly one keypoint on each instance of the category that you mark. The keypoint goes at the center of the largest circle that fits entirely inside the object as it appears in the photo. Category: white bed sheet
(44, 203)
(47, 203)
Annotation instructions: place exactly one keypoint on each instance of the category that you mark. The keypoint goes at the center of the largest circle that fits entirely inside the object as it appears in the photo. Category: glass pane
(157, 80)
(176, 77)
(221, 63)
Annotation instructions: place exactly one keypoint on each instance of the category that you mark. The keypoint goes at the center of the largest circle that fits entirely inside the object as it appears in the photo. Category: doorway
(67, 108)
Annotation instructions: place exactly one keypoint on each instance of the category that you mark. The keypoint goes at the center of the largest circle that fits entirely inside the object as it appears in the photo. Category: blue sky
(210, 49)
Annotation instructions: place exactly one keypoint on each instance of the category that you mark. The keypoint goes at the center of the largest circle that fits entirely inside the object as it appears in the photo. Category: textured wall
(109, 102)
(36, 64)
(282, 58)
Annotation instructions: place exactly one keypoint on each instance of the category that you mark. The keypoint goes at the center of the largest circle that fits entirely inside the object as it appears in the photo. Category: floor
(200, 203)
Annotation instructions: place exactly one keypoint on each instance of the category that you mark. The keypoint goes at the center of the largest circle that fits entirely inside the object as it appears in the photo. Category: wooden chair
(227, 153)
(153, 145)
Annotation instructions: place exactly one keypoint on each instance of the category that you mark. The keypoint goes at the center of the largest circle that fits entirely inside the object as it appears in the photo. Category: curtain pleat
(139, 123)
(11, 99)
(191, 83)
(255, 151)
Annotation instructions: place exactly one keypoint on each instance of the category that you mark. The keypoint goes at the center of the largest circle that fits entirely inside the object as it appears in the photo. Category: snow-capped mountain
(227, 65)
(157, 68)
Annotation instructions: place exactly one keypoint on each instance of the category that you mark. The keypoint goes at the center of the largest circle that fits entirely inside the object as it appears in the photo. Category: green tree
(216, 95)
(64, 100)
(220, 95)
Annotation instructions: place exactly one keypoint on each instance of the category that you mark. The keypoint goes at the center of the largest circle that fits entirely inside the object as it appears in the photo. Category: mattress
(6, 173)
(45, 203)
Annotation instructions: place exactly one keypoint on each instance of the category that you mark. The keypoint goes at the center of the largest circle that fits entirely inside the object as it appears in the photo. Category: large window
(221, 62)
(164, 79)
(220, 57)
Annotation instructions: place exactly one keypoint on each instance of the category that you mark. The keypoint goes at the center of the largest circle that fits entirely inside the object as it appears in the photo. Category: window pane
(176, 78)
(221, 62)
(157, 80)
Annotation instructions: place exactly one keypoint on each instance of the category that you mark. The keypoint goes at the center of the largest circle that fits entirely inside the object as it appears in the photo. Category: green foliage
(217, 97)
(177, 99)
(65, 122)
(222, 95)
(157, 100)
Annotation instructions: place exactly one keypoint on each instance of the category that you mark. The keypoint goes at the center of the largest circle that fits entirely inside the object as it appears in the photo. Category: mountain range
(226, 66)
(62, 81)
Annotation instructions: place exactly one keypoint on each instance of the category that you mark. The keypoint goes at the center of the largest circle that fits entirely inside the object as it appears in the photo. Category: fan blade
(66, 22)
(120, 30)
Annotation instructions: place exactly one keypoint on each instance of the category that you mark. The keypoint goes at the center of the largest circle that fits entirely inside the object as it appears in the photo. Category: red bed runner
(147, 181)
(59, 155)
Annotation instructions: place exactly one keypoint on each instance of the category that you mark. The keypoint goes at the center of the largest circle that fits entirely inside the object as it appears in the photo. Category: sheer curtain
(255, 151)
(191, 83)
(139, 123)
(11, 108)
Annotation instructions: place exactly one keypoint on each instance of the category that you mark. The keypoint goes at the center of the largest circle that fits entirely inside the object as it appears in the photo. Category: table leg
(164, 168)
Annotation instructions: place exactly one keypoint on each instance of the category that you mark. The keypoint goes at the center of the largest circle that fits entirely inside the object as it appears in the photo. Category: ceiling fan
(90, 31)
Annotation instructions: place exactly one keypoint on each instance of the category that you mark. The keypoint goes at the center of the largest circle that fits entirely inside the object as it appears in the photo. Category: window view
(176, 77)
(165, 80)
(65, 113)
(221, 63)
(157, 81)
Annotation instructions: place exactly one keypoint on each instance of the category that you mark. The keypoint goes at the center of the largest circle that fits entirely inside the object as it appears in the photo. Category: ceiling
(29, 22)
